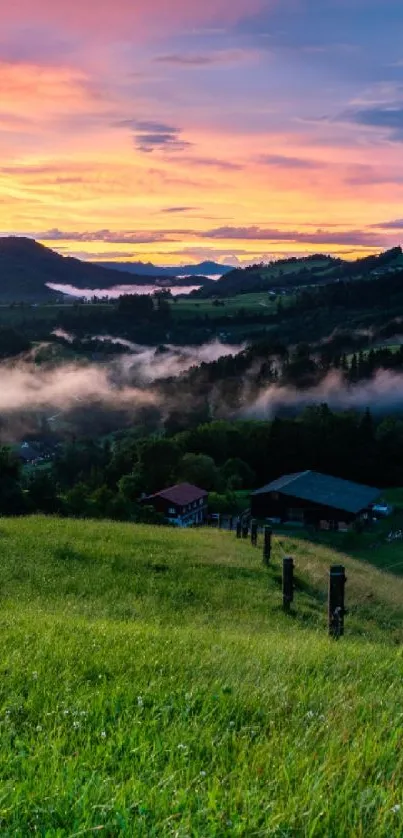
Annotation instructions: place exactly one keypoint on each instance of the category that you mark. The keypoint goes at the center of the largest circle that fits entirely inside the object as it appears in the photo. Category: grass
(47, 313)
(151, 686)
(394, 496)
(370, 546)
(260, 303)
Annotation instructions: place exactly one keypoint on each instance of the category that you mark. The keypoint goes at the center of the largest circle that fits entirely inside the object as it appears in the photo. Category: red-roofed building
(184, 505)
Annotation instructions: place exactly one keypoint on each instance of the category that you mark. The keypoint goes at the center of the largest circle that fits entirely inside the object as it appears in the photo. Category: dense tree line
(107, 478)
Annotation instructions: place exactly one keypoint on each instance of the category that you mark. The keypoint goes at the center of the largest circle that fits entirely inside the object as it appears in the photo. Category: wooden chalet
(184, 505)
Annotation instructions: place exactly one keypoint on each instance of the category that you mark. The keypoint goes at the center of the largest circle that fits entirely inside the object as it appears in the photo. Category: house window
(172, 510)
(201, 502)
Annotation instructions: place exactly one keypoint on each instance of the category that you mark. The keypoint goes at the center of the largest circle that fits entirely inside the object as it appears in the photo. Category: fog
(131, 382)
(25, 387)
(124, 382)
(116, 291)
(151, 364)
(382, 394)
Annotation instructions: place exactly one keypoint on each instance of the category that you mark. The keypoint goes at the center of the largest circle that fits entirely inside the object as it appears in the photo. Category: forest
(229, 401)
(106, 477)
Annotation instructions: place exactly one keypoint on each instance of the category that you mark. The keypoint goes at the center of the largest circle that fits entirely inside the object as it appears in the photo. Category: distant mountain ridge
(148, 269)
(27, 267)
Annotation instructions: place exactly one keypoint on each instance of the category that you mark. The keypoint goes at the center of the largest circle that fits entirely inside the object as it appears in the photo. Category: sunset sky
(174, 130)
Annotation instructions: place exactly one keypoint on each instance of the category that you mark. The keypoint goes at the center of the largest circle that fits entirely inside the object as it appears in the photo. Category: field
(252, 304)
(151, 686)
(48, 314)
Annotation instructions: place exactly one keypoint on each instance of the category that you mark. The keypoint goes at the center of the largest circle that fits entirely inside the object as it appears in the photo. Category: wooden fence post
(245, 530)
(253, 533)
(267, 545)
(238, 528)
(288, 582)
(337, 581)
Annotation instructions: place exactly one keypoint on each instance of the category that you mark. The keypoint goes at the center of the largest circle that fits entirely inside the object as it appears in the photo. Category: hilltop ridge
(27, 267)
(295, 272)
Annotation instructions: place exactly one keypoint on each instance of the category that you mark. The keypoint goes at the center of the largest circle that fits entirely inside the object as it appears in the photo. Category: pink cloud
(145, 15)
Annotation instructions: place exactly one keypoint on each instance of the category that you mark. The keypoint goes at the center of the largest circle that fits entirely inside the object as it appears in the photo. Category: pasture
(151, 686)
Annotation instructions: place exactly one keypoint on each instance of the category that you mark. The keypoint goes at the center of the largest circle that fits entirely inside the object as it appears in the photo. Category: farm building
(310, 498)
(184, 505)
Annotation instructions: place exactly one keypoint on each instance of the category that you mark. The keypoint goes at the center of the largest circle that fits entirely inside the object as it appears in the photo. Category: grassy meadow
(259, 303)
(43, 314)
(151, 686)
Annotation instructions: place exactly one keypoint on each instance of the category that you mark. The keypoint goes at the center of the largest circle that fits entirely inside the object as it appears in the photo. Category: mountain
(27, 266)
(150, 270)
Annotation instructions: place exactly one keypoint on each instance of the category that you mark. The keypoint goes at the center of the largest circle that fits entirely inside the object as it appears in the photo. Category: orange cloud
(28, 89)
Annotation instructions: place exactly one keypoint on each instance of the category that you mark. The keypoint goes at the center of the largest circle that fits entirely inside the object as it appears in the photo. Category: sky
(174, 131)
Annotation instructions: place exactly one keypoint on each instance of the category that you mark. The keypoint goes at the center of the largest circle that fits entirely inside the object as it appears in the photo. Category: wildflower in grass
(140, 701)
(35, 676)
(76, 725)
(203, 773)
(182, 747)
(103, 734)
(39, 728)
(396, 808)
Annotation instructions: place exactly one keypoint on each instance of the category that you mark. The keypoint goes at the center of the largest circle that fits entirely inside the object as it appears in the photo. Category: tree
(158, 462)
(200, 470)
(238, 474)
(76, 501)
(42, 493)
(131, 486)
(12, 498)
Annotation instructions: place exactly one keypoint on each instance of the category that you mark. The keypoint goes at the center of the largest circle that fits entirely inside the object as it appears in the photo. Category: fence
(336, 582)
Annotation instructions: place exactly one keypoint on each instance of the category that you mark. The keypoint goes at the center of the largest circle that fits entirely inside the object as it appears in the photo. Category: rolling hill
(151, 686)
(312, 270)
(27, 266)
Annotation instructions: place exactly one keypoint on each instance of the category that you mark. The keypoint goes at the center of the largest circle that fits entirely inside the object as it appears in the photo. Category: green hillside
(151, 686)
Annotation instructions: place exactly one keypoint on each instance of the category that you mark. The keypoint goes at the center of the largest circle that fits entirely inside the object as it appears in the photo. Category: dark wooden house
(184, 505)
(313, 499)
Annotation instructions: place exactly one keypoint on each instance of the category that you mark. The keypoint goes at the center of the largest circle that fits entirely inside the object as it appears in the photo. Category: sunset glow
(174, 131)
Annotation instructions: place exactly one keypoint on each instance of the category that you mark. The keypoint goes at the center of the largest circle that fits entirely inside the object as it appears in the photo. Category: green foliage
(223, 503)
(42, 492)
(200, 470)
(238, 474)
(12, 499)
(151, 686)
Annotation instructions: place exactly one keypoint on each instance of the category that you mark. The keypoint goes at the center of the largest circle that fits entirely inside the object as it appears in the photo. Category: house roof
(324, 490)
(181, 494)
